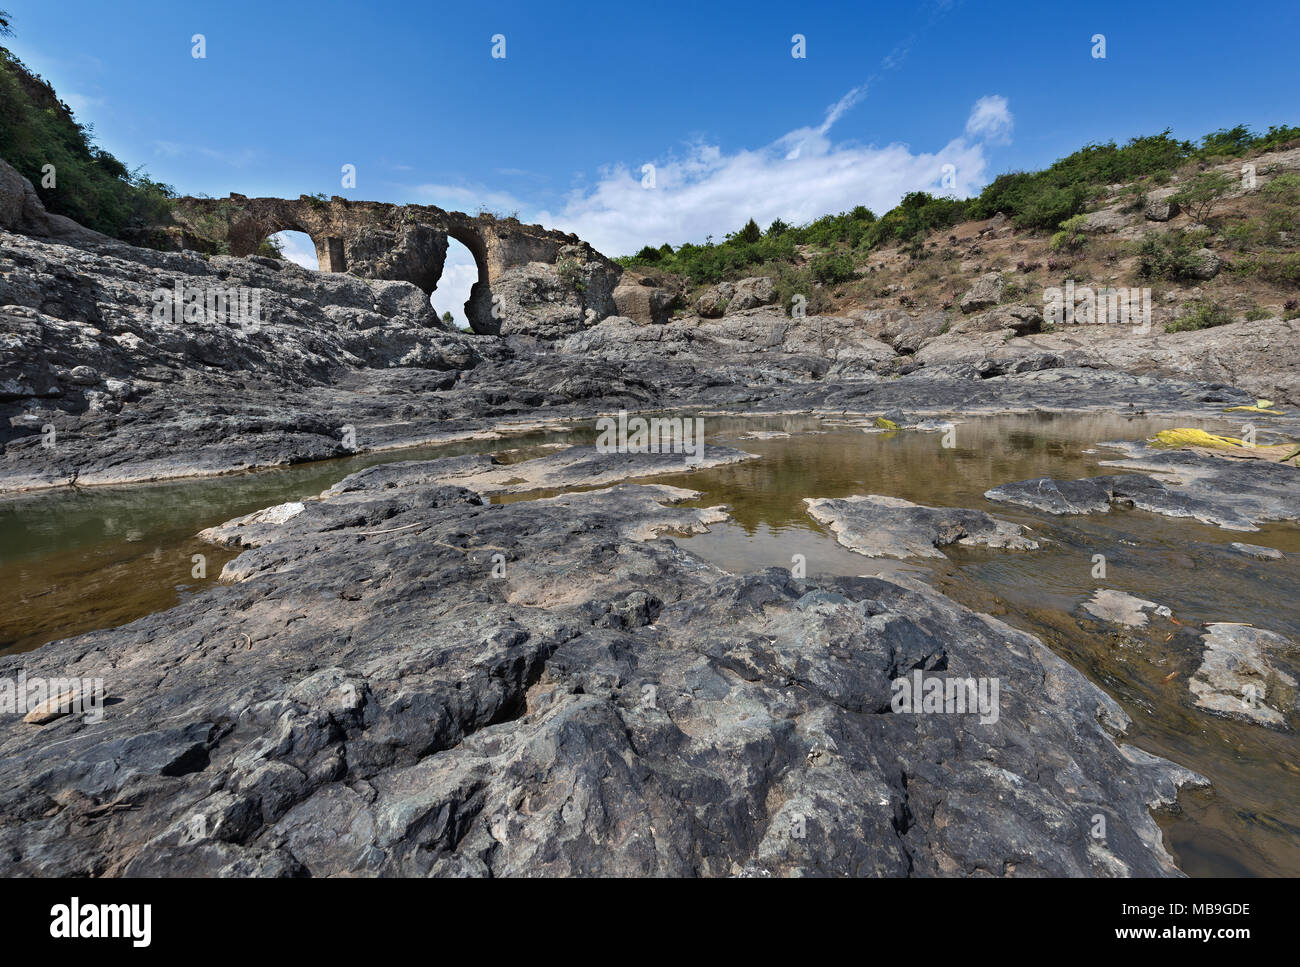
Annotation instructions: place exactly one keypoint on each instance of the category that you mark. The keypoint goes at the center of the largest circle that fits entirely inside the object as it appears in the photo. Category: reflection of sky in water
(97, 557)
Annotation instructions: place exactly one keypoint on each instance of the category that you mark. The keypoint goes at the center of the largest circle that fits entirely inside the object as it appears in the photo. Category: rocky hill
(976, 296)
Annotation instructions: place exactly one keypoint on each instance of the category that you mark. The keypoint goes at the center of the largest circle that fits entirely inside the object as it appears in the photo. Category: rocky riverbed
(400, 678)
(443, 667)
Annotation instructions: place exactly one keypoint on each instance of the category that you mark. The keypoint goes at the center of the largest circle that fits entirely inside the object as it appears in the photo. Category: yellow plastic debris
(884, 424)
(1261, 406)
(1186, 437)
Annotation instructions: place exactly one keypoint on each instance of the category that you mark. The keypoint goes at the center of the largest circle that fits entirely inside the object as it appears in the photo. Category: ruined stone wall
(376, 240)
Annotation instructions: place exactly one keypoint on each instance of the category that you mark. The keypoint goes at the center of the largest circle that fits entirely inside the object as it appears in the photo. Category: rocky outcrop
(767, 343)
(1233, 494)
(646, 299)
(986, 292)
(550, 302)
(878, 526)
(1252, 355)
(547, 688)
(22, 211)
(1247, 673)
(1017, 320)
(727, 298)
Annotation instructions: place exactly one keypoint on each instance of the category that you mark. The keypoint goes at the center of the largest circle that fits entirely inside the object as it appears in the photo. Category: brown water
(81, 558)
(99, 557)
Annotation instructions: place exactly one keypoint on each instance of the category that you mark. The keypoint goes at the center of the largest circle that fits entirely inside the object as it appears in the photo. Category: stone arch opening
(296, 247)
(454, 286)
(247, 236)
(478, 307)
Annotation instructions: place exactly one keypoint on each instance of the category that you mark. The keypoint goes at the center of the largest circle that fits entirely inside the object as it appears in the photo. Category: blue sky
(587, 94)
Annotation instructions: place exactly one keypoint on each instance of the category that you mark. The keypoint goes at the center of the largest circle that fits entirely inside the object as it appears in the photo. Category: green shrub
(1171, 256)
(271, 248)
(1282, 269)
(1071, 237)
(829, 269)
(570, 273)
(1202, 314)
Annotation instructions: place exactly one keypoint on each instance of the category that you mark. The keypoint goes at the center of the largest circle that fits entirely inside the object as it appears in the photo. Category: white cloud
(297, 248)
(990, 120)
(465, 198)
(799, 177)
(459, 273)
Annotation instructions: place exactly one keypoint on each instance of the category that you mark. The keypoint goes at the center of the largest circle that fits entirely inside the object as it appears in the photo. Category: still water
(76, 560)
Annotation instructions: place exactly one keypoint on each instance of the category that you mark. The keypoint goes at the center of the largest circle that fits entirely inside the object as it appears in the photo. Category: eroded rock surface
(892, 527)
(1233, 494)
(405, 680)
(1247, 673)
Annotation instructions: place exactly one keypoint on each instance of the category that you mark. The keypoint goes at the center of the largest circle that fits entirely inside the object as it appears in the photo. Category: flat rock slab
(1118, 607)
(1257, 552)
(1235, 495)
(892, 527)
(1247, 673)
(410, 681)
(577, 466)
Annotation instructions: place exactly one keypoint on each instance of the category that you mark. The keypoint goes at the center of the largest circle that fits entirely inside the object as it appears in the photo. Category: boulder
(713, 302)
(647, 299)
(1020, 318)
(1206, 266)
(1160, 207)
(986, 292)
(751, 293)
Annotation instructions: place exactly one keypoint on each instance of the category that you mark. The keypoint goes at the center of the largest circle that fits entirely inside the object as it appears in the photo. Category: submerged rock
(1257, 552)
(1247, 673)
(1118, 607)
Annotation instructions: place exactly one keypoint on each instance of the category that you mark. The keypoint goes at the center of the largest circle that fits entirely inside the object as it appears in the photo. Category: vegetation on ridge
(90, 185)
(1039, 201)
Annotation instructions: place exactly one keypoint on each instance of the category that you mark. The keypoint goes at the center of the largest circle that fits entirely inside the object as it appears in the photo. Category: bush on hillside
(90, 185)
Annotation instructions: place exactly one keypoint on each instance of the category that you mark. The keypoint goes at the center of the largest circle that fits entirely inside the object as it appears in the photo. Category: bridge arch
(478, 308)
(245, 237)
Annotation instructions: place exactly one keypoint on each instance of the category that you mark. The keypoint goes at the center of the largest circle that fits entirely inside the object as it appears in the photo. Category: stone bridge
(377, 240)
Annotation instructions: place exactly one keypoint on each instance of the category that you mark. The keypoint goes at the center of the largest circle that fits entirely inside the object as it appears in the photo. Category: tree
(1199, 196)
(6, 28)
(750, 233)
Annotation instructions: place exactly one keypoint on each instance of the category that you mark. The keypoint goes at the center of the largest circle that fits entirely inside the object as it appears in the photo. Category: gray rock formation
(1247, 673)
(403, 680)
(985, 293)
(550, 302)
(892, 527)
(1236, 495)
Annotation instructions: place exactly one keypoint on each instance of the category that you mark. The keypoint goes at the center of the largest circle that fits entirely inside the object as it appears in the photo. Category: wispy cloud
(240, 158)
(466, 198)
(82, 103)
(709, 192)
(990, 120)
